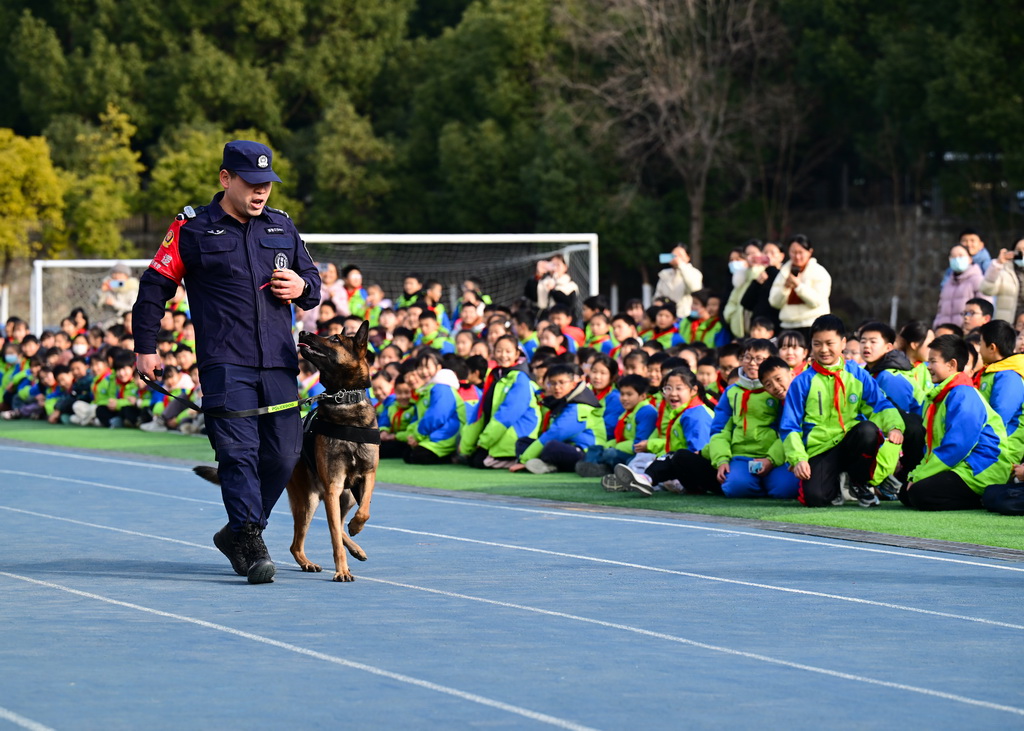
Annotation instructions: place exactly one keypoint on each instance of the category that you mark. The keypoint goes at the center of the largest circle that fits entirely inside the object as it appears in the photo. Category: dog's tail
(207, 473)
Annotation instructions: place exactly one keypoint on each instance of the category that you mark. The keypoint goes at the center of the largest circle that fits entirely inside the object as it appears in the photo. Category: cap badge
(262, 161)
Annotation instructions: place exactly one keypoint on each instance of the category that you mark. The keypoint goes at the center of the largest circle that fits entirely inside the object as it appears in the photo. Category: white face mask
(959, 264)
(79, 349)
(736, 266)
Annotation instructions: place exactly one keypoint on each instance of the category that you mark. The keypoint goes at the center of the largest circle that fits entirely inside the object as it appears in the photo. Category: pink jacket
(954, 295)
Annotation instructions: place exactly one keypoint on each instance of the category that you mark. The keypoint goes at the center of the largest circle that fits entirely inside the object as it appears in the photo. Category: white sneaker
(157, 425)
(634, 480)
(844, 488)
(539, 467)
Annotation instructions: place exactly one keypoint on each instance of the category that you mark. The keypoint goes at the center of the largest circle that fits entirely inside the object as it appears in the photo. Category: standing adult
(744, 267)
(801, 290)
(964, 284)
(1004, 280)
(755, 299)
(243, 264)
(679, 281)
(556, 287)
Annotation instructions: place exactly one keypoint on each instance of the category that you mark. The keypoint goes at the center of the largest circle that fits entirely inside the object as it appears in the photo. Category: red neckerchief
(620, 425)
(977, 377)
(396, 423)
(488, 382)
(695, 328)
(120, 389)
(722, 383)
(661, 414)
(546, 420)
(960, 379)
(837, 386)
(800, 368)
(598, 340)
(692, 403)
(743, 404)
(604, 392)
(663, 333)
(97, 381)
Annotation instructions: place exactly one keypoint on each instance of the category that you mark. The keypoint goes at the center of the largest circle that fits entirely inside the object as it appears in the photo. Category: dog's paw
(311, 568)
(357, 553)
(345, 575)
(356, 524)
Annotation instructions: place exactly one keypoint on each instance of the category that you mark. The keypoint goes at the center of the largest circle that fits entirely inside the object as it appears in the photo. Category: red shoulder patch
(167, 260)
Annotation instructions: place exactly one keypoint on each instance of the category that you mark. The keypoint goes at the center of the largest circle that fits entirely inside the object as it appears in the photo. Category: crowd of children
(643, 400)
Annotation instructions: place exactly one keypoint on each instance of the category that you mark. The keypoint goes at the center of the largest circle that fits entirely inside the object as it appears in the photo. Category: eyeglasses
(552, 384)
(756, 359)
(970, 313)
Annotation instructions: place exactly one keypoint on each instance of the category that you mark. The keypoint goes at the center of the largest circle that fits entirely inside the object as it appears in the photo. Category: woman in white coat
(802, 288)
(1004, 280)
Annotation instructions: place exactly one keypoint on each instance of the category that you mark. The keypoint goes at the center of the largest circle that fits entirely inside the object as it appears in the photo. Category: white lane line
(371, 669)
(562, 723)
(714, 648)
(824, 542)
(91, 458)
(592, 559)
(17, 720)
(834, 543)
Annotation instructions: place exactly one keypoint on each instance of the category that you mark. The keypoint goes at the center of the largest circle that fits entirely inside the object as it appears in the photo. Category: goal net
(501, 263)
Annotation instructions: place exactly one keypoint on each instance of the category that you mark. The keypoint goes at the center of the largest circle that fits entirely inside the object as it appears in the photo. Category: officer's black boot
(254, 551)
(226, 540)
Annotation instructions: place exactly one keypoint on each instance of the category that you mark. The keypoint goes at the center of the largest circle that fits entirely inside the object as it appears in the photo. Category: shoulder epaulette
(277, 210)
(188, 212)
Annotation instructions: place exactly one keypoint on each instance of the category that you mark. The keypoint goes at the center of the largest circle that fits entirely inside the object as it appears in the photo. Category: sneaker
(188, 427)
(637, 481)
(539, 466)
(845, 491)
(157, 425)
(495, 463)
(611, 483)
(592, 469)
(673, 486)
(7, 415)
(865, 496)
(889, 488)
(116, 422)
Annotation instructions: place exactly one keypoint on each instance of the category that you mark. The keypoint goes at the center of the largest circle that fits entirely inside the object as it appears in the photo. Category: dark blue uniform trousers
(255, 454)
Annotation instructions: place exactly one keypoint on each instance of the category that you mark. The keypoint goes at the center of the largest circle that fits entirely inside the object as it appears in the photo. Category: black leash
(339, 398)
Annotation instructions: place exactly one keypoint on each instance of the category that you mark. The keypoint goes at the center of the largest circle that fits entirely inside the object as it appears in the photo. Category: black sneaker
(254, 552)
(226, 543)
(890, 488)
(592, 469)
(866, 497)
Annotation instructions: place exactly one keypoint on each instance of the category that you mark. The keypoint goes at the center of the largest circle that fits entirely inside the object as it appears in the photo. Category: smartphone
(755, 467)
(666, 258)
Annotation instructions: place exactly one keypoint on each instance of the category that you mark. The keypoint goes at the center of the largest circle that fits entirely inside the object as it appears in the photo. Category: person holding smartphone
(802, 288)
(680, 280)
(1004, 280)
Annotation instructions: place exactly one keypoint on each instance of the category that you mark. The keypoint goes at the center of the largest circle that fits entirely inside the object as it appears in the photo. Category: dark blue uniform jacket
(224, 264)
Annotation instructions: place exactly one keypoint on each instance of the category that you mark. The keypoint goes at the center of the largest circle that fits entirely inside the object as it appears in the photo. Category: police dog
(339, 471)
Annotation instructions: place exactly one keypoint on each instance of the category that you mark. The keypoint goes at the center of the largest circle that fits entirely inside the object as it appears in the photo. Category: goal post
(501, 263)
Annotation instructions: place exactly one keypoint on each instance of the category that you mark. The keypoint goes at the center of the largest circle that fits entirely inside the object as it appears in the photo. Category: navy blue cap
(251, 161)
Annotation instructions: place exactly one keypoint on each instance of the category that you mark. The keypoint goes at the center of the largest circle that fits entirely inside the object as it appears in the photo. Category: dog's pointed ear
(361, 337)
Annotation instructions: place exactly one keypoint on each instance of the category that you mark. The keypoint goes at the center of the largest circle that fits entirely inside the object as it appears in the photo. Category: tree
(187, 163)
(676, 80)
(31, 197)
(102, 179)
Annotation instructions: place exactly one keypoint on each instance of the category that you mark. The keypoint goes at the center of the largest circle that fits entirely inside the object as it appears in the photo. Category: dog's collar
(343, 397)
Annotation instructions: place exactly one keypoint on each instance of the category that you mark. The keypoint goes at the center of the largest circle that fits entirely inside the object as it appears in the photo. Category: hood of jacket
(894, 360)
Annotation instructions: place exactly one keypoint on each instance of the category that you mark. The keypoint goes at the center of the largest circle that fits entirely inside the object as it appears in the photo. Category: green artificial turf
(976, 526)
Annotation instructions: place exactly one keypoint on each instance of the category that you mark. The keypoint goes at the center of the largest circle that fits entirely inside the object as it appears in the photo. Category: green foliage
(31, 195)
(450, 116)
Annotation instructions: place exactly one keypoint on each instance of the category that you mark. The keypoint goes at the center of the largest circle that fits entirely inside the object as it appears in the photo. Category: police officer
(243, 265)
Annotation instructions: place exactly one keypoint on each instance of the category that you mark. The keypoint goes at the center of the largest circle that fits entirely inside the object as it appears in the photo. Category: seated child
(571, 424)
(821, 428)
(440, 413)
(682, 430)
(964, 438)
(634, 425)
(745, 443)
(396, 421)
(1001, 382)
(119, 406)
(507, 411)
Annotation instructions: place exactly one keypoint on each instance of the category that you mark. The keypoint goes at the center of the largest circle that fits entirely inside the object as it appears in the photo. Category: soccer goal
(501, 263)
